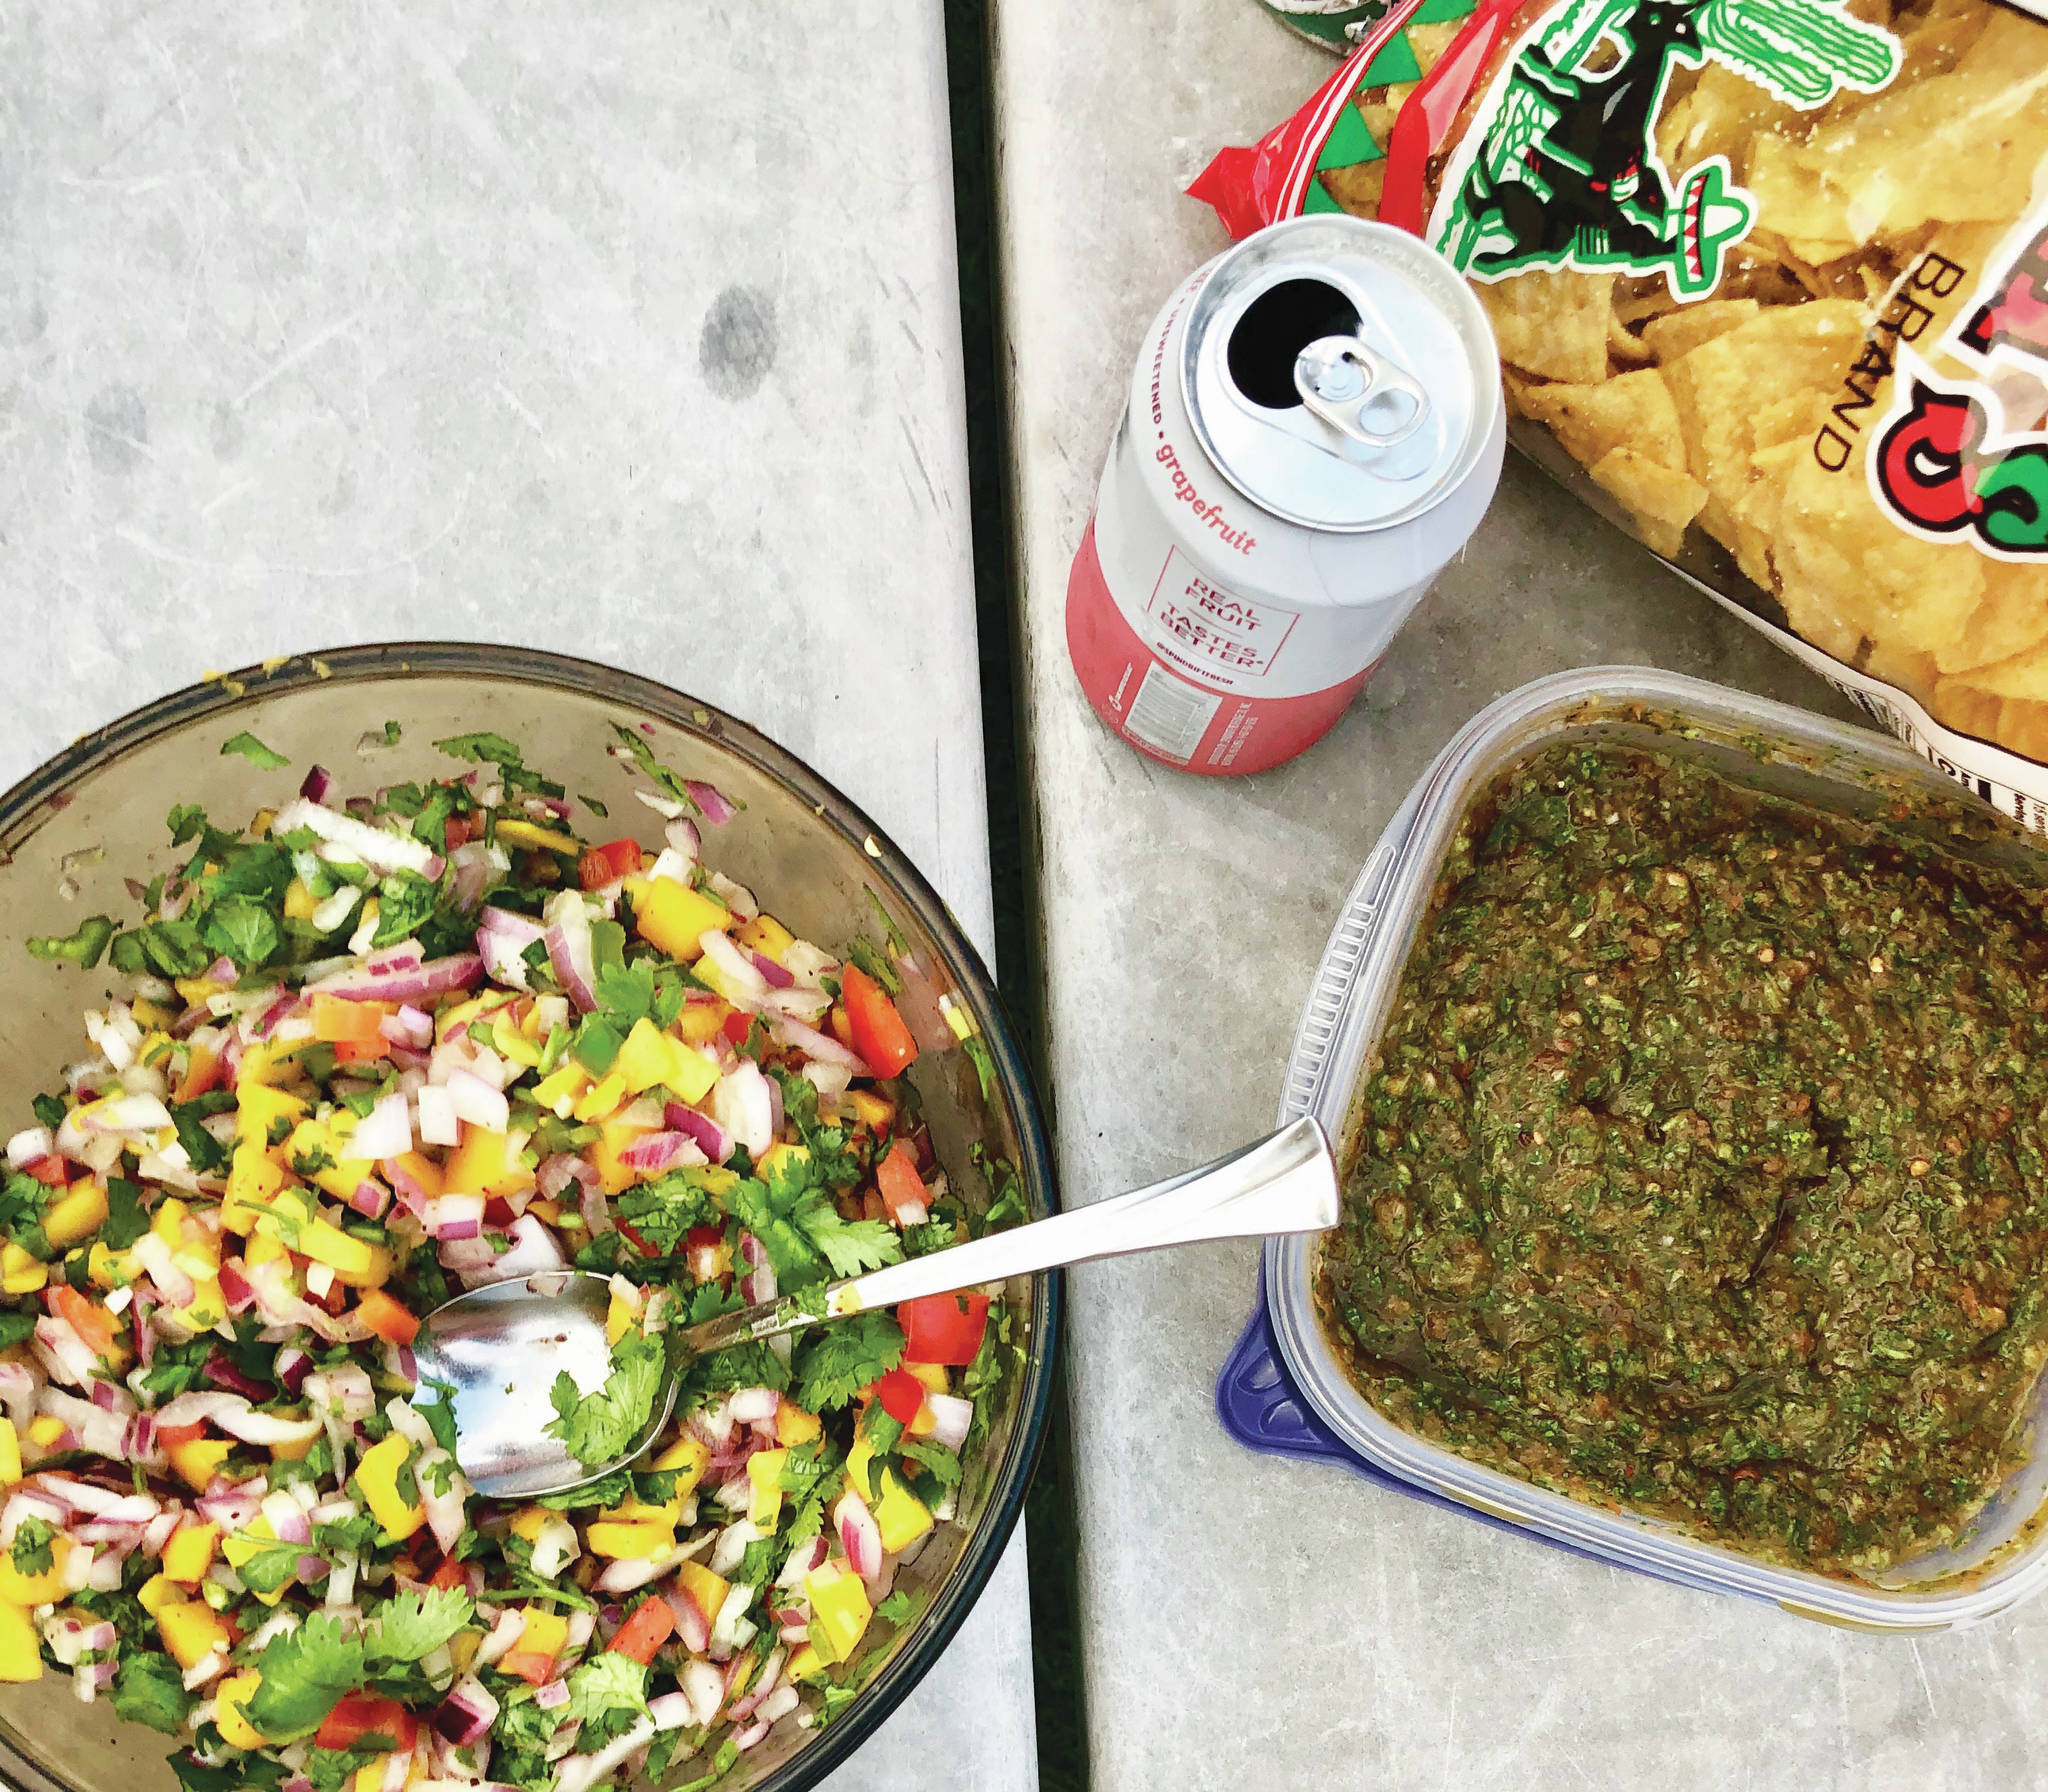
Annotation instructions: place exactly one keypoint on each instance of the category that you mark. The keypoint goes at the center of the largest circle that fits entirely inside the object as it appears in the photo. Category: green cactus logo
(1562, 170)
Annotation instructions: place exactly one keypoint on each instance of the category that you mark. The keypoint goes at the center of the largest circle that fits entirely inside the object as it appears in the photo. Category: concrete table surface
(625, 329)
(1245, 1620)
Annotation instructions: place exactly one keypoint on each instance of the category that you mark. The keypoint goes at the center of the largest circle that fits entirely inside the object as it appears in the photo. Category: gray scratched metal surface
(1246, 1621)
(623, 328)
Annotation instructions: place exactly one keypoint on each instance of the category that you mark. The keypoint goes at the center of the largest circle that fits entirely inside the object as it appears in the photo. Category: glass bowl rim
(220, 693)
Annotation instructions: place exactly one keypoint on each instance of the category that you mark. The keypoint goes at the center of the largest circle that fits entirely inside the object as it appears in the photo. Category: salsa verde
(1700, 1169)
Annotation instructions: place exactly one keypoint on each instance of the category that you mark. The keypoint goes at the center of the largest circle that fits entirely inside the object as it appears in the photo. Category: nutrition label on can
(1170, 716)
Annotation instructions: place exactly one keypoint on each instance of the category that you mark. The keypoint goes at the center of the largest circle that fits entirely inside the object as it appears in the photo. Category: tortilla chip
(1661, 502)
(1960, 147)
(1551, 323)
(1430, 41)
(2023, 727)
(1633, 411)
(1726, 385)
(1357, 188)
(1680, 332)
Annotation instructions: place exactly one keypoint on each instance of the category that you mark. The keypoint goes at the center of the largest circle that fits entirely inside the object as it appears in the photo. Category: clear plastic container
(1284, 1389)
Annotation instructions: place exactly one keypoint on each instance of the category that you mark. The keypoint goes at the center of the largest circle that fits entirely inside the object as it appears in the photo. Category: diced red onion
(477, 1102)
(743, 1105)
(951, 1417)
(624, 1576)
(822, 1046)
(533, 1249)
(403, 984)
(751, 1405)
(757, 1285)
(569, 948)
(712, 1139)
(469, 1710)
(381, 849)
(659, 1151)
(438, 1122)
(471, 1257)
(859, 1535)
(235, 1289)
(319, 781)
(555, 1693)
(477, 864)
(224, 1374)
(739, 982)
(385, 1131)
(712, 801)
(453, 1216)
(691, 1624)
(555, 1174)
(775, 975)
(63, 1353)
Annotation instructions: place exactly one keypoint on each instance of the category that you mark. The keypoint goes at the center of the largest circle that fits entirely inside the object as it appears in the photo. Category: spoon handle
(1287, 1182)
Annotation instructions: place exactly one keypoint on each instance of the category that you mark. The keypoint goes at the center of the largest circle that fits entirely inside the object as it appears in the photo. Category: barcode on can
(1170, 717)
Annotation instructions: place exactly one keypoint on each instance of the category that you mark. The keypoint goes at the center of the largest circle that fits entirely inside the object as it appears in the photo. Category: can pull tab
(1358, 393)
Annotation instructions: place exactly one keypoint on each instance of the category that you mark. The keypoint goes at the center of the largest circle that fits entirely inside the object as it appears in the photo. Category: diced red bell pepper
(736, 1026)
(535, 1670)
(879, 1034)
(171, 1436)
(387, 1317)
(903, 1189)
(943, 1328)
(451, 1573)
(460, 827)
(901, 1394)
(100, 1329)
(362, 1051)
(601, 865)
(364, 1714)
(645, 1631)
(49, 1169)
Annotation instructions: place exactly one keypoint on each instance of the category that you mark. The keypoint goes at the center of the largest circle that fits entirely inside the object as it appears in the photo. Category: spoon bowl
(498, 1349)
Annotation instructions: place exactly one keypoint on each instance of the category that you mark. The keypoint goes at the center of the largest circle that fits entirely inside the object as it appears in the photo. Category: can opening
(1275, 328)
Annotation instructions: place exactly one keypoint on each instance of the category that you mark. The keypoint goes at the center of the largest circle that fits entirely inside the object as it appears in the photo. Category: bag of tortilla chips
(1770, 284)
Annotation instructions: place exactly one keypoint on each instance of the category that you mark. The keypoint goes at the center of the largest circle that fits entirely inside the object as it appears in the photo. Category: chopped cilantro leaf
(595, 1428)
(127, 1216)
(836, 1361)
(415, 1624)
(609, 1693)
(241, 928)
(664, 1210)
(304, 1674)
(149, 1688)
(250, 748)
(404, 901)
(31, 1551)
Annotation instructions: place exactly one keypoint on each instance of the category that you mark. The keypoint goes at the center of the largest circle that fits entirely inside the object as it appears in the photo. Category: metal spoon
(501, 1346)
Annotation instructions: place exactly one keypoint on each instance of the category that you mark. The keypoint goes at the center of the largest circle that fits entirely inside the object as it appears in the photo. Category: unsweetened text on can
(1314, 429)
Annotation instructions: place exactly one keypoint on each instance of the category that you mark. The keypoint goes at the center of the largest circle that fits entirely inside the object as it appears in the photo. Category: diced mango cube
(10, 1454)
(675, 917)
(636, 1542)
(228, 1700)
(686, 1459)
(705, 1590)
(200, 1460)
(21, 1647)
(191, 1631)
(544, 1633)
(17, 1588)
(840, 1610)
(526, 833)
(764, 1505)
(614, 1175)
(259, 1108)
(19, 1272)
(377, 1476)
(299, 901)
(805, 1664)
(77, 1215)
(45, 1429)
(875, 1113)
(795, 1426)
(560, 1089)
(189, 1553)
(900, 1515)
(766, 935)
(481, 1166)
